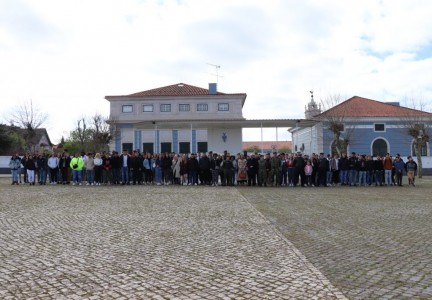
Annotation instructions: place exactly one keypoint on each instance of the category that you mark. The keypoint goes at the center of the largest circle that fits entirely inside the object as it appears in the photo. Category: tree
(94, 137)
(10, 140)
(101, 131)
(335, 120)
(29, 118)
(417, 124)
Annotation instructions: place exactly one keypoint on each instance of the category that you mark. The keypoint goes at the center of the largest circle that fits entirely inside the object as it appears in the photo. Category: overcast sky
(68, 55)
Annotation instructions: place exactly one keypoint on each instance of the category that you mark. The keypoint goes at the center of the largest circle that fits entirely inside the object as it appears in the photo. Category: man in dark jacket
(323, 167)
(352, 169)
(252, 170)
(299, 164)
(192, 170)
(227, 166)
(204, 169)
(125, 162)
(136, 166)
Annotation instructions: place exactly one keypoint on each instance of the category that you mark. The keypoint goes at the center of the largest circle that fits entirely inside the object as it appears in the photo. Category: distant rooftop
(362, 107)
(176, 90)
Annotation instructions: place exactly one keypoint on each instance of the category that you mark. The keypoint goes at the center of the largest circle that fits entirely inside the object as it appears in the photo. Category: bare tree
(417, 124)
(102, 133)
(335, 120)
(28, 118)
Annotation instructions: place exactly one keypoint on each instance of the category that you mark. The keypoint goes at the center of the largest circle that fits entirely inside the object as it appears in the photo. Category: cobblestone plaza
(181, 242)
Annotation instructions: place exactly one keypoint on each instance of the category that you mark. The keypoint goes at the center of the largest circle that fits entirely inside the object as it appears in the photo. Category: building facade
(370, 127)
(178, 118)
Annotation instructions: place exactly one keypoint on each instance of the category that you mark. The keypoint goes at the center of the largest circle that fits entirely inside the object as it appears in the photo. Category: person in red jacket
(388, 166)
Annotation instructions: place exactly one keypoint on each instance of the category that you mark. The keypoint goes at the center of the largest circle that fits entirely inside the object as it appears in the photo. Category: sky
(66, 56)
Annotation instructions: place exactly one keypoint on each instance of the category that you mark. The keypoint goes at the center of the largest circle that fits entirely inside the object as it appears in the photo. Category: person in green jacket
(77, 164)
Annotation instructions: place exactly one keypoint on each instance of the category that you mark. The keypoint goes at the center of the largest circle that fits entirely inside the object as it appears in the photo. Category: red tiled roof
(179, 89)
(363, 107)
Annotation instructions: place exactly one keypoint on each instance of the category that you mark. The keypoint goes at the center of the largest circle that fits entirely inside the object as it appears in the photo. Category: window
(202, 107)
(184, 107)
(379, 147)
(127, 108)
(223, 107)
(148, 147)
(202, 147)
(184, 147)
(148, 108)
(127, 146)
(165, 107)
(165, 147)
(379, 127)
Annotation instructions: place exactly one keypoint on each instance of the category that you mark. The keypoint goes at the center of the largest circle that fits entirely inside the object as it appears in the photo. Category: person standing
(176, 169)
(53, 165)
(89, 167)
(42, 163)
(411, 169)
(399, 166)
(30, 167)
(116, 163)
(352, 169)
(388, 166)
(125, 165)
(77, 165)
(136, 164)
(15, 165)
(98, 162)
(227, 167)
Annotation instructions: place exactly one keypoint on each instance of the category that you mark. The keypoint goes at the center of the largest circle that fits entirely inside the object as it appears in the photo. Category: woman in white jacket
(97, 161)
(175, 166)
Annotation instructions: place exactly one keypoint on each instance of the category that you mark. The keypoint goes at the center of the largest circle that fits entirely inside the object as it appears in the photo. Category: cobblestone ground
(140, 242)
(370, 242)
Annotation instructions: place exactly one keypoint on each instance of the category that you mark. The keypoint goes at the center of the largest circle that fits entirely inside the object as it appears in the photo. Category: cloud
(67, 55)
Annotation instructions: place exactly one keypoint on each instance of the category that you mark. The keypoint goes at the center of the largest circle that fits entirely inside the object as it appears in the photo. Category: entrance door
(379, 147)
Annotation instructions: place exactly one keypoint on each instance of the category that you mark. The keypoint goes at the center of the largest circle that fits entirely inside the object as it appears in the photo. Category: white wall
(233, 142)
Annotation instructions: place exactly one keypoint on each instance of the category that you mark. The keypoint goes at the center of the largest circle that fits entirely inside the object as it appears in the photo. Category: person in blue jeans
(125, 165)
(15, 165)
(352, 169)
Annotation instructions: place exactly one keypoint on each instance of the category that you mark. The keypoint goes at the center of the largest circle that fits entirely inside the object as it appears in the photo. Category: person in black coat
(323, 167)
(299, 164)
(252, 170)
(204, 169)
(136, 165)
(30, 165)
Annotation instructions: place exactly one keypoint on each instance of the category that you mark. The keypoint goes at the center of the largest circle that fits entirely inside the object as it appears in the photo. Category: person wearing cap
(411, 169)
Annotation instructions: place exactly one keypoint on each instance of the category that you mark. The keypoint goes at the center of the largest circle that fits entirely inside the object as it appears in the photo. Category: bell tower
(312, 109)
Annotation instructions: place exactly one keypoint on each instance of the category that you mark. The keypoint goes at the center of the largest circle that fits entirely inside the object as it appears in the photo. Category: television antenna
(217, 67)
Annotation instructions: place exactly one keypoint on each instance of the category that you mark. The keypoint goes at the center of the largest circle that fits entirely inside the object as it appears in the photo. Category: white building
(182, 118)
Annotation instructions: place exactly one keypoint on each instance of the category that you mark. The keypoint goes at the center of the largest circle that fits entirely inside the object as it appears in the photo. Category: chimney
(212, 88)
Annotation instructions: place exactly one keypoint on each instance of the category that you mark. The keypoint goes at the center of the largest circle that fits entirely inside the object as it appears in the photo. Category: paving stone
(120, 242)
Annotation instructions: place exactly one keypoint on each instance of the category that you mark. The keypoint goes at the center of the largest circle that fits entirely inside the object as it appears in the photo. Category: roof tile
(363, 107)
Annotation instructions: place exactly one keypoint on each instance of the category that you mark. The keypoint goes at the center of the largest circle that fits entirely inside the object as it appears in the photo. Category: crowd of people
(212, 169)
